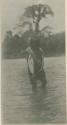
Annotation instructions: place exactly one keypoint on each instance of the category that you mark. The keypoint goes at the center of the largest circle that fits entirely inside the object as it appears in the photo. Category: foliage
(36, 13)
(16, 45)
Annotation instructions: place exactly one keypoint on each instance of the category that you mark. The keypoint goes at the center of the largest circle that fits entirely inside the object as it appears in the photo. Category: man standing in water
(38, 56)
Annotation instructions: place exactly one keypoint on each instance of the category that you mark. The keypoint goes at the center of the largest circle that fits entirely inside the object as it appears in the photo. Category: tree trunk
(37, 27)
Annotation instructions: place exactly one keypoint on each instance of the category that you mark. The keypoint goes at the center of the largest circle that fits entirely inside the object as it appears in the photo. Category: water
(21, 105)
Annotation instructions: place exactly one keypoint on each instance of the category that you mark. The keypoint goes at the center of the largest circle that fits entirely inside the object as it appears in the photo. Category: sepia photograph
(33, 64)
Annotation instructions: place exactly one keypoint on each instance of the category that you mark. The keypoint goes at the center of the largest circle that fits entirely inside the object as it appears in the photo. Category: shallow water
(22, 105)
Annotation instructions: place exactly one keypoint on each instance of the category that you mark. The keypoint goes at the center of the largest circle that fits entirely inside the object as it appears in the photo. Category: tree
(36, 13)
(8, 38)
(7, 43)
(8, 35)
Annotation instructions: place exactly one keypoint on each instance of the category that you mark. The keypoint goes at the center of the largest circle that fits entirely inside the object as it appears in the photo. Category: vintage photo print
(33, 65)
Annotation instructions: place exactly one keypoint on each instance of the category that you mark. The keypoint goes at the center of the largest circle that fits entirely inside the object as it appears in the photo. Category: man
(35, 60)
(36, 53)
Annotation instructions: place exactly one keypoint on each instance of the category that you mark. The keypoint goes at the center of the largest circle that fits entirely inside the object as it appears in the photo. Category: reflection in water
(37, 100)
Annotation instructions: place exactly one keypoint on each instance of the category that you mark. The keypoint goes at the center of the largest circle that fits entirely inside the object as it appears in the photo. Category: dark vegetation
(14, 46)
